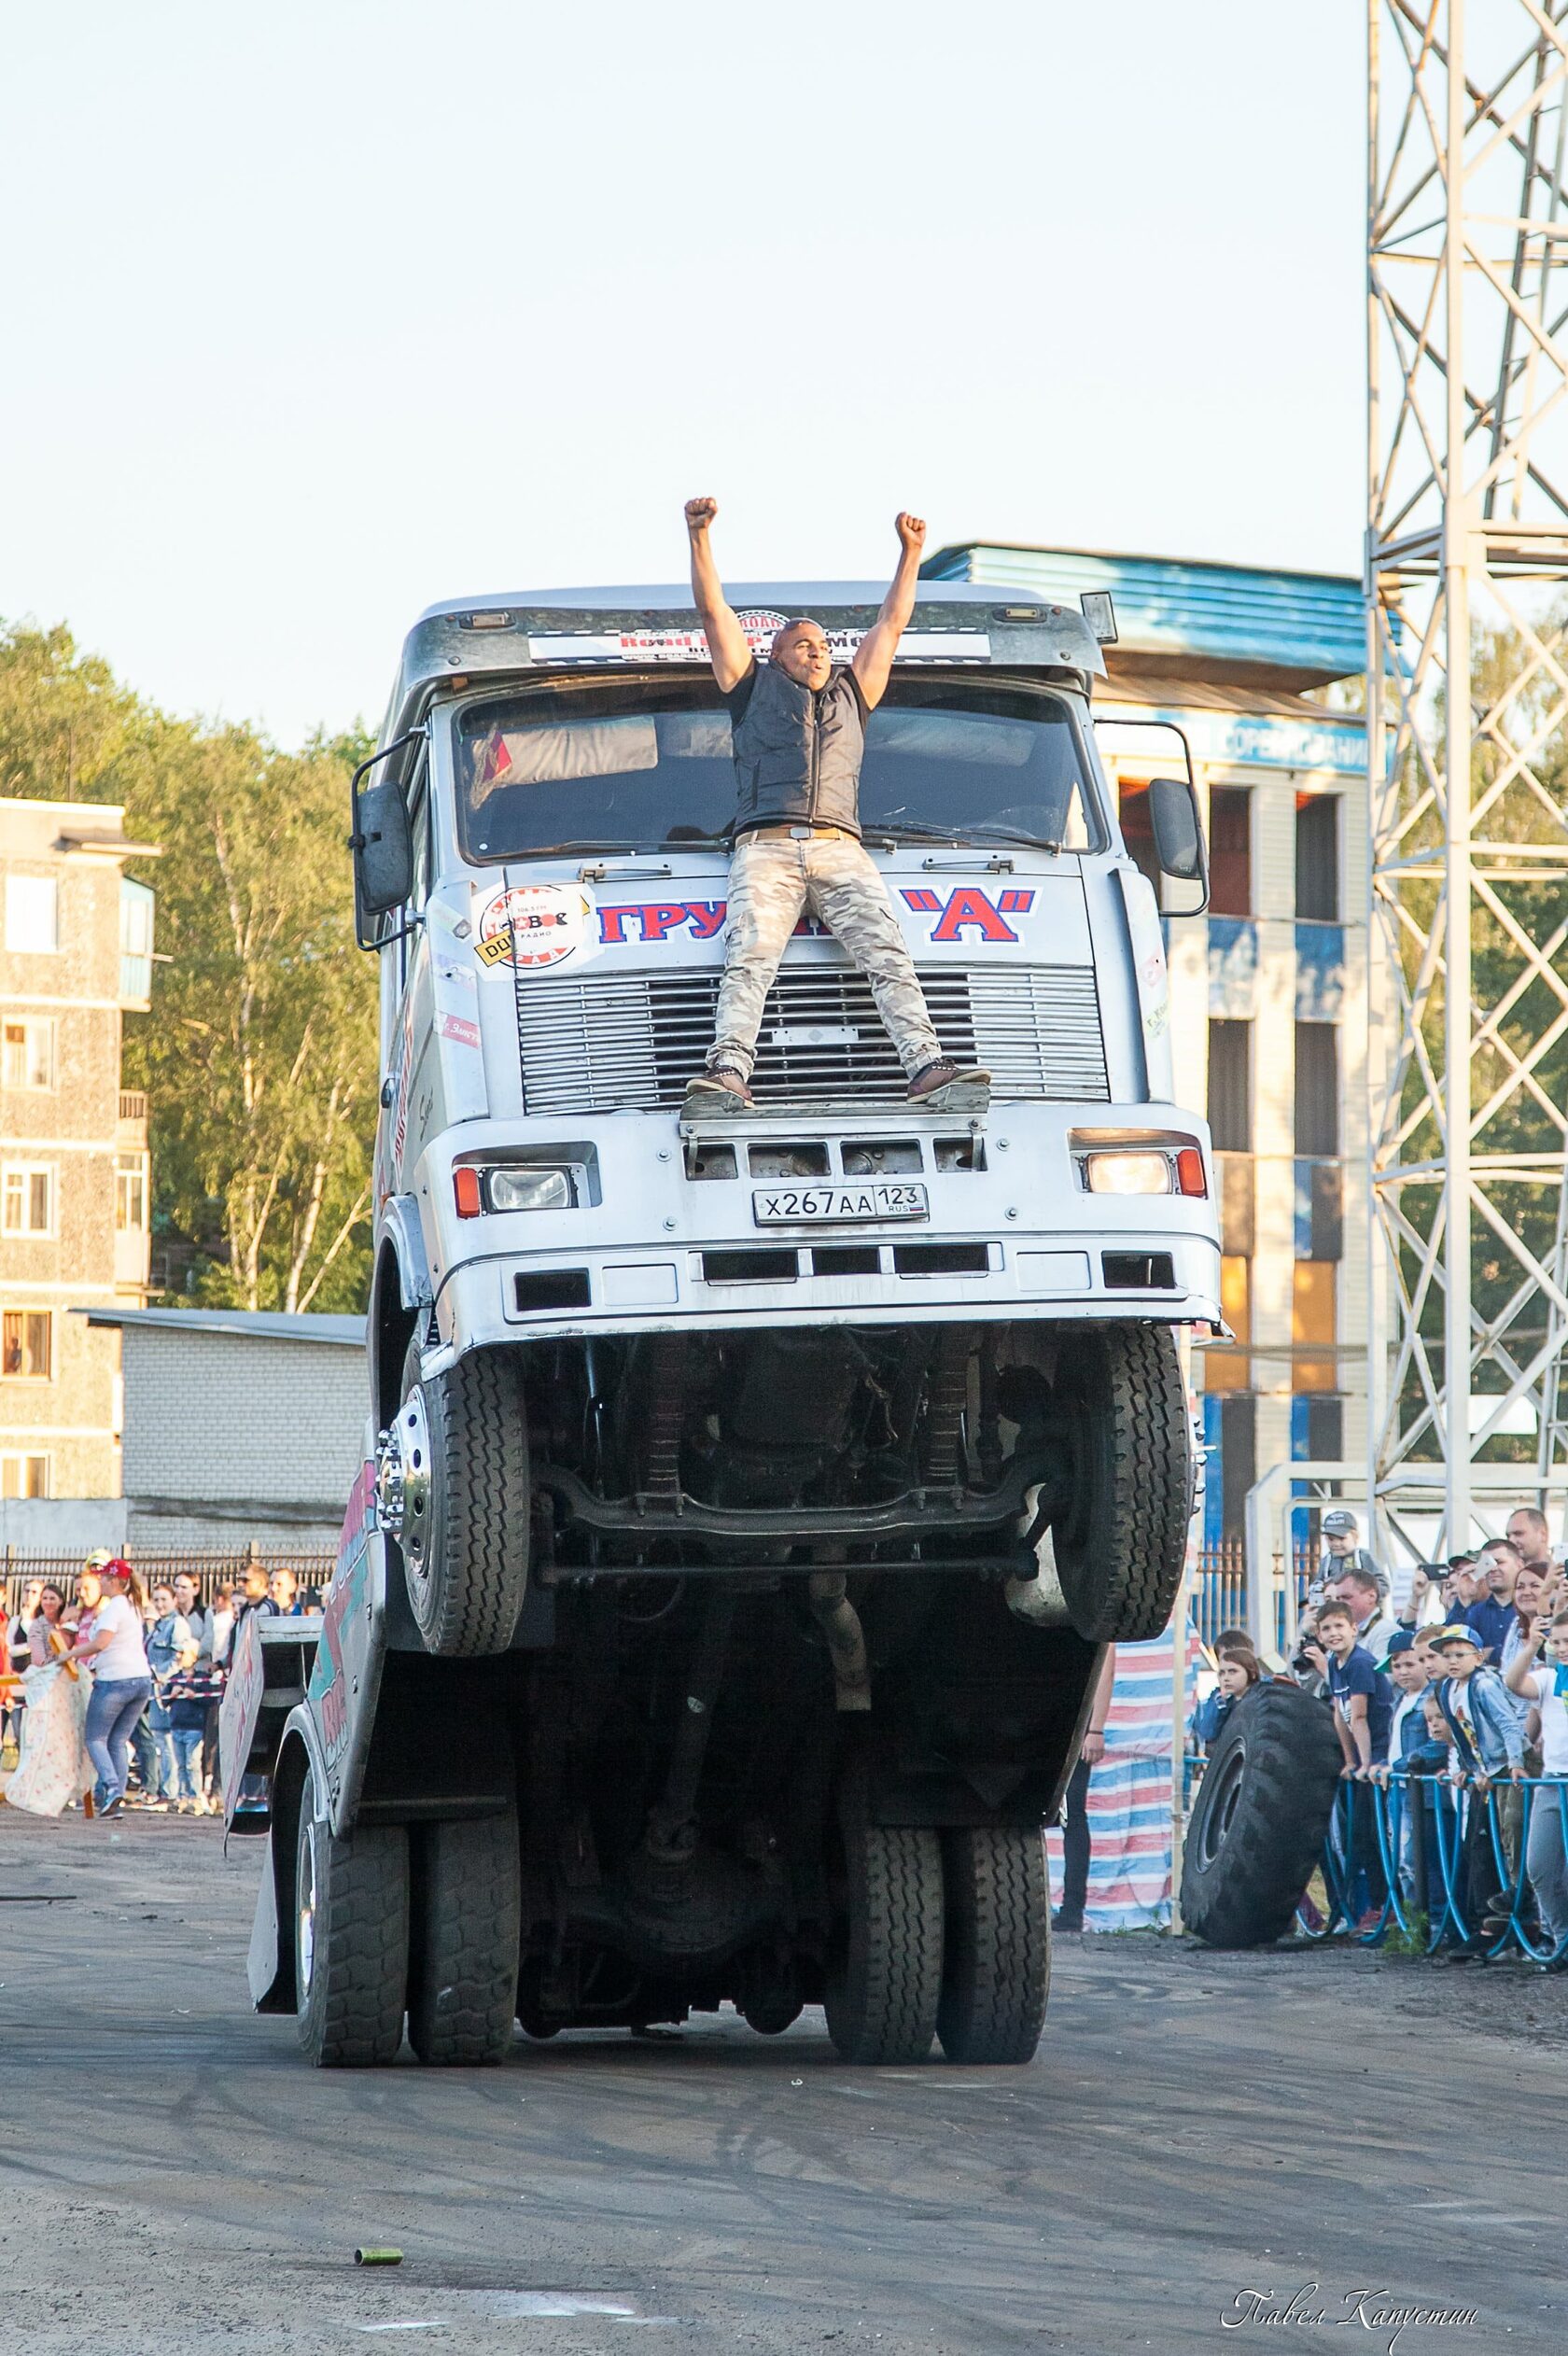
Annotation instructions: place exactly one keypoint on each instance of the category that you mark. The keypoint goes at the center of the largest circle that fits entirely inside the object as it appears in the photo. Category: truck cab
(757, 1486)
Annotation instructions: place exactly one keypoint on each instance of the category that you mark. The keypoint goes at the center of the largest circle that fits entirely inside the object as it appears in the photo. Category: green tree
(260, 1056)
(68, 730)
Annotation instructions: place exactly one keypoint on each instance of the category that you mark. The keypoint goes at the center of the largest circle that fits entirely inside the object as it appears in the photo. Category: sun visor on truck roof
(468, 641)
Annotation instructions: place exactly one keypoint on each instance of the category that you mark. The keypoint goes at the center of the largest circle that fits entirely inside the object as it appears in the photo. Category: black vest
(798, 753)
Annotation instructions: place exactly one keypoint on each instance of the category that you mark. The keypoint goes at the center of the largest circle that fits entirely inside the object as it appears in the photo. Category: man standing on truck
(798, 729)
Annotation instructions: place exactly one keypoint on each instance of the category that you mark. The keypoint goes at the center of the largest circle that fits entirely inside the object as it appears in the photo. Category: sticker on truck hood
(682, 645)
(532, 926)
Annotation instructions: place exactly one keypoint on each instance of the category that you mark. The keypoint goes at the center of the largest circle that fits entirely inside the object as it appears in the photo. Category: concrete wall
(241, 1424)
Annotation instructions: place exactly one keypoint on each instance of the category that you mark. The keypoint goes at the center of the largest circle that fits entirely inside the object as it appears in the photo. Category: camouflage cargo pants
(773, 879)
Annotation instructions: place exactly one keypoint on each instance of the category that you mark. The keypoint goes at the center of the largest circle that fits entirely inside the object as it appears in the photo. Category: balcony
(134, 1111)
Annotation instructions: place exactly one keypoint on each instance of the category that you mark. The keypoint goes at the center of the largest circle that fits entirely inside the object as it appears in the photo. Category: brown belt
(795, 833)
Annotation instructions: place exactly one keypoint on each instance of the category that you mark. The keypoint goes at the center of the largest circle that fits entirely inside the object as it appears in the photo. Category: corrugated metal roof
(244, 1325)
(1226, 617)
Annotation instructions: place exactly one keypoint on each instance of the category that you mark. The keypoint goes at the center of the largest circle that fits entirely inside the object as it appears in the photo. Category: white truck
(746, 1497)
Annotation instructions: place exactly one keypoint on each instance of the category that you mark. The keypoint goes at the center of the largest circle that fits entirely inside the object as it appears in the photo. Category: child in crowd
(1362, 1700)
(1413, 1752)
(1486, 1725)
(194, 1690)
(1237, 1671)
(1541, 1677)
(1362, 1696)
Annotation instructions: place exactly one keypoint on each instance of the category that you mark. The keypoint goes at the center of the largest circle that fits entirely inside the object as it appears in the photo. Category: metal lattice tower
(1468, 581)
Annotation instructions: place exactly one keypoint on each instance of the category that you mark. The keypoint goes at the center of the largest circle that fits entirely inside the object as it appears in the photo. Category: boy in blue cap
(1488, 1728)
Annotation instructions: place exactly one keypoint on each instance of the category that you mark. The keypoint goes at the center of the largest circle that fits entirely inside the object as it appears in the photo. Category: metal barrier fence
(1413, 1880)
(312, 1566)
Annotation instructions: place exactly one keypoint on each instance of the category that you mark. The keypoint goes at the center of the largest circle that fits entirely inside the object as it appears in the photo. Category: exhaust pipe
(840, 1622)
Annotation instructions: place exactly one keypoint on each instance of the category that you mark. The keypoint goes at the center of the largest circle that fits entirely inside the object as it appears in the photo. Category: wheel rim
(305, 1931)
(1220, 1812)
(403, 1460)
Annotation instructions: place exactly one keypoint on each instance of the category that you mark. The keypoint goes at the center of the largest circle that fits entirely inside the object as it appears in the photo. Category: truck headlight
(514, 1188)
(1131, 1173)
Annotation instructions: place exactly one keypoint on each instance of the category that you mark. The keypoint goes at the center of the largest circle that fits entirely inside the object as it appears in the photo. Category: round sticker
(534, 925)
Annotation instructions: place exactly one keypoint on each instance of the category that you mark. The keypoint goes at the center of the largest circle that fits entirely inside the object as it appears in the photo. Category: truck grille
(609, 1044)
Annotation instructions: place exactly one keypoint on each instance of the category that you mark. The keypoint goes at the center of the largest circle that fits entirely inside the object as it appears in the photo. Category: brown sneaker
(944, 1075)
(712, 1091)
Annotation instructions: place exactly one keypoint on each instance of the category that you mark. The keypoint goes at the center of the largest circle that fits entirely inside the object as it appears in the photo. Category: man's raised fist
(911, 529)
(700, 513)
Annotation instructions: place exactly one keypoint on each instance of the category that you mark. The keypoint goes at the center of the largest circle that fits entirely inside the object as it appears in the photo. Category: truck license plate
(797, 1206)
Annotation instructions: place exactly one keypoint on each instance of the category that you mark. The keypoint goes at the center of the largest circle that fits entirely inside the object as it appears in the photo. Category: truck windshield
(637, 763)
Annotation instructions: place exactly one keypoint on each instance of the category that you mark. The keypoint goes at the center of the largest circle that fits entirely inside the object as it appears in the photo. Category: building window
(1313, 1325)
(24, 1476)
(32, 913)
(1317, 858)
(27, 1198)
(1230, 1369)
(1317, 1088)
(131, 1181)
(1238, 1462)
(1230, 1087)
(1231, 851)
(1325, 1431)
(26, 1344)
(135, 941)
(28, 1054)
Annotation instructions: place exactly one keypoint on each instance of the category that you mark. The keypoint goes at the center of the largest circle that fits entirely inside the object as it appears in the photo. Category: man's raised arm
(873, 656)
(727, 649)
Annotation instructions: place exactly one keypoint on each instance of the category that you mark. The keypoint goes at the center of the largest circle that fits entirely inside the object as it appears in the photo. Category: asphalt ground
(1197, 2131)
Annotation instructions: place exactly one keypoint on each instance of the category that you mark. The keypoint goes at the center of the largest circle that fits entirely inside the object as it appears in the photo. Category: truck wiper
(914, 832)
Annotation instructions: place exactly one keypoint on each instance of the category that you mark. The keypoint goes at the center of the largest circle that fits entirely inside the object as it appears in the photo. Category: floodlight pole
(1467, 531)
(1458, 883)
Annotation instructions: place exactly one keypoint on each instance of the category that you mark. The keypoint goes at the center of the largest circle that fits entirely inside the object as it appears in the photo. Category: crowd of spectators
(1464, 1684)
(112, 1693)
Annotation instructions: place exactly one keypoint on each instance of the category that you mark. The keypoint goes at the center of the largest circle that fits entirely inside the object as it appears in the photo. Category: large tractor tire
(463, 1964)
(464, 1442)
(1261, 1818)
(351, 1940)
(1121, 1543)
(997, 1975)
(885, 1983)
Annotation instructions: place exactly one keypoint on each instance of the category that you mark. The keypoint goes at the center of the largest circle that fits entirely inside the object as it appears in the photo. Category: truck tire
(463, 1963)
(1260, 1819)
(997, 1975)
(465, 1541)
(1122, 1542)
(884, 1986)
(351, 1932)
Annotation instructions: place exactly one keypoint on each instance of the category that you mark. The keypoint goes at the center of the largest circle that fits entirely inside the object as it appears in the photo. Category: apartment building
(75, 956)
(1235, 665)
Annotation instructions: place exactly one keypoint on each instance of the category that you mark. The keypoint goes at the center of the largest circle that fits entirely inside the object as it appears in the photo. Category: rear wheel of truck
(462, 1443)
(351, 1933)
(1123, 1540)
(462, 2004)
(997, 1975)
(1261, 1817)
(885, 1981)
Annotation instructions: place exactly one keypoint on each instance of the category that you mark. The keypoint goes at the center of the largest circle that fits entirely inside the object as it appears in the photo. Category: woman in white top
(1541, 1677)
(121, 1679)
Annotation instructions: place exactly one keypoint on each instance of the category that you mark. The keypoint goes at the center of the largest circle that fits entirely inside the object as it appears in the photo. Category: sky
(318, 313)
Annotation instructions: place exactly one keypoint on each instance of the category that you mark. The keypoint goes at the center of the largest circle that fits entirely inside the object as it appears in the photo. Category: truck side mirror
(382, 848)
(1178, 833)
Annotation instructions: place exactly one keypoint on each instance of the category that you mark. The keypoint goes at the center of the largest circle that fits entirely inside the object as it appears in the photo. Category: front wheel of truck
(461, 1453)
(1122, 1540)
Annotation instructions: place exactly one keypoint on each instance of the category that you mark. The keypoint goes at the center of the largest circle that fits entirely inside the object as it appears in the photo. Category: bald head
(800, 649)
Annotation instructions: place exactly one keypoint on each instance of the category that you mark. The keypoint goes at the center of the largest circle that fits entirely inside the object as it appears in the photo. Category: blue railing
(1411, 1881)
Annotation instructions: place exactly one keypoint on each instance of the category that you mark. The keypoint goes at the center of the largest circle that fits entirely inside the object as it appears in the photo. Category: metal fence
(1404, 1858)
(312, 1566)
